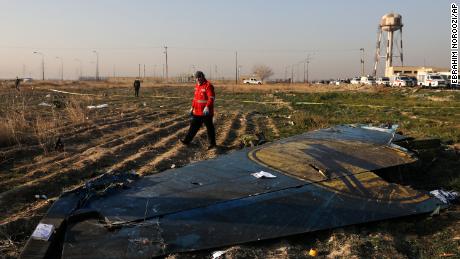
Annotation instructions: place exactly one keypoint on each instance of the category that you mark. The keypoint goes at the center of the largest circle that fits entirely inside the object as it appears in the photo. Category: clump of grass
(308, 121)
(75, 112)
(13, 128)
(45, 132)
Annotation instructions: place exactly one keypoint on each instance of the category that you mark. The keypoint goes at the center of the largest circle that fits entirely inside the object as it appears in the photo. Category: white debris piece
(445, 196)
(173, 166)
(48, 96)
(98, 106)
(263, 174)
(218, 254)
(45, 104)
(43, 231)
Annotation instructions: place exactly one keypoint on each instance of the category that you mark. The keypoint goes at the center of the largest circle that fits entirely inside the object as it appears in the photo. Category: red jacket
(204, 96)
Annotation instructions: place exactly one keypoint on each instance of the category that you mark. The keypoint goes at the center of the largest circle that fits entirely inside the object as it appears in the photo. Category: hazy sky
(205, 34)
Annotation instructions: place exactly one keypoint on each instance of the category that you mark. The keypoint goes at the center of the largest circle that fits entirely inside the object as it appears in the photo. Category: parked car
(383, 81)
(430, 79)
(252, 81)
(401, 80)
(367, 80)
(355, 81)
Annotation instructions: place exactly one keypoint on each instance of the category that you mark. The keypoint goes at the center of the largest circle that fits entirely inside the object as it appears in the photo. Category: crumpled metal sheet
(324, 179)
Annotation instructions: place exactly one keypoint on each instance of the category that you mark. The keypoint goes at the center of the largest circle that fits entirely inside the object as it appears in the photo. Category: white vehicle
(400, 80)
(430, 79)
(252, 81)
(447, 77)
(367, 80)
(383, 81)
(355, 81)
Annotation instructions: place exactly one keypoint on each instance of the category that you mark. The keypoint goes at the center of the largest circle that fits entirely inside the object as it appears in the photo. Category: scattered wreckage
(318, 180)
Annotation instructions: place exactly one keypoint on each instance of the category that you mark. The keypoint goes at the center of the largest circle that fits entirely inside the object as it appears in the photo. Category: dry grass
(75, 112)
(20, 122)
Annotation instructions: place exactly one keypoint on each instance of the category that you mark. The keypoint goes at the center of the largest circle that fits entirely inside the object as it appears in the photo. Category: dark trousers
(195, 125)
(136, 91)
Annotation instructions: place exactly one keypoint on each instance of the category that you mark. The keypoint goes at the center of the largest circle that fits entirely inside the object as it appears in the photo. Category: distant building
(413, 70)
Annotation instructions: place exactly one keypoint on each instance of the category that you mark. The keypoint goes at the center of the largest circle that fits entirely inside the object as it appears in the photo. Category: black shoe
(185, 143)
(212, 146)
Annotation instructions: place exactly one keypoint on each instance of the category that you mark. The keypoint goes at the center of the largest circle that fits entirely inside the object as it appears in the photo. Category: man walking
(202, 110)
(17, 82)
(137, 86)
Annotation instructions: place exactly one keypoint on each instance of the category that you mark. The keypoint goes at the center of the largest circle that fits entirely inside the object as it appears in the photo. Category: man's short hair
(199, 74)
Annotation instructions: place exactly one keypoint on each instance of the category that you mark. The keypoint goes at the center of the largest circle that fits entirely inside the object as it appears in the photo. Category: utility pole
(308, 62)
(114, 70)
(304, 63)
(81, 69)
(43, 63)
(362, 61)
(62, 68)
(236, 67)
(285, 73)
(166, 57)
(154, 71)
(292, 74)
(97, 64)
(144, 70)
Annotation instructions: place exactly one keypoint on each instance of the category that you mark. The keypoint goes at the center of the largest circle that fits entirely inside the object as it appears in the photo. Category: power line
(184, 48)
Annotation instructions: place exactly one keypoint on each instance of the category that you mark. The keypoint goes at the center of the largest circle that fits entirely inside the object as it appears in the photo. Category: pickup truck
(367, 80)
(252, 81)
(383, 81)
(401, 81)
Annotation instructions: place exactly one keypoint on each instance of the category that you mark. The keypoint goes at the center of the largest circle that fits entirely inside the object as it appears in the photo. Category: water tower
(390, 24)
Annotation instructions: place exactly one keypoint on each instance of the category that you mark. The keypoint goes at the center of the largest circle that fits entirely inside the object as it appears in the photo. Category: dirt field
(141, 134)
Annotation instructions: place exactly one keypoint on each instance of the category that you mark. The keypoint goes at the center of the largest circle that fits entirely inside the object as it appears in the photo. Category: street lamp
(43, 63)
(62, 68)
(362, 61)
(79, 61)
(97, 64)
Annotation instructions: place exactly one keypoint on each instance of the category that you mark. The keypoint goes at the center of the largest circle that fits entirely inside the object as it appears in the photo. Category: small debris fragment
(45, 104)
(263, 174)
(43, 232)
(447, 255)
(313, 252)
(173, 166)
(218, 254)
(100, 106)
(445, 196)
(436, 211)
